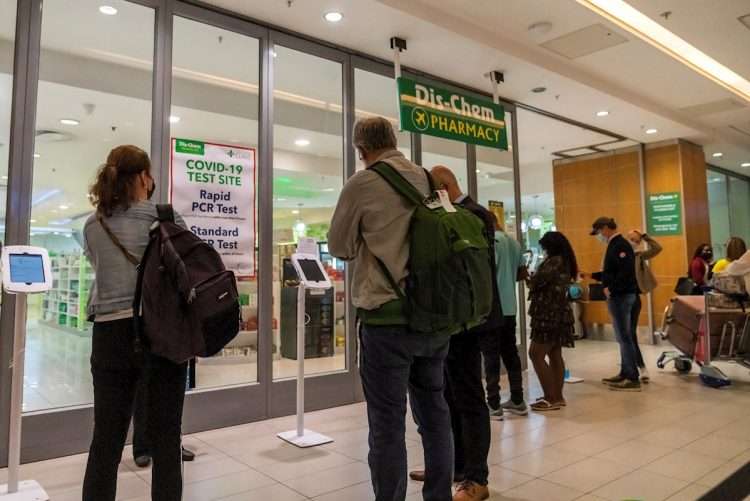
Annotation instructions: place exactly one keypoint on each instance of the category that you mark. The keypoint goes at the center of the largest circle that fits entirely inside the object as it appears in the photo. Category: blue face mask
(602, 238)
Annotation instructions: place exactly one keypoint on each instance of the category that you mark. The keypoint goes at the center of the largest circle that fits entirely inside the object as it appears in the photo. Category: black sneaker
(143, 461)
(615, 379)
(626, 385)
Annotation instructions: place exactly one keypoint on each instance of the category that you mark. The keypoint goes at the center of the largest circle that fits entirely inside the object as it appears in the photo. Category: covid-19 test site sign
(213, 188)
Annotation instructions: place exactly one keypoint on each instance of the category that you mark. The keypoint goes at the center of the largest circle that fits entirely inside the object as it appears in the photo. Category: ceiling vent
(745, 20)
(585, 41)
(710, 108)
(52, 136)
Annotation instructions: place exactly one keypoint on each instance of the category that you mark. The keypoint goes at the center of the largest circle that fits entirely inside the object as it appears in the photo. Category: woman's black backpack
(186, 302)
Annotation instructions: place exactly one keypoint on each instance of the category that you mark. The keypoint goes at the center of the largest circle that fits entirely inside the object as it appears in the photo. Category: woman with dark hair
(700, 267)
(736, 248)
(551, 317)
(115, 237)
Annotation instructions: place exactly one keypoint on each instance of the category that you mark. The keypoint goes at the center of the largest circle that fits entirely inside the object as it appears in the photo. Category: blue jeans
(394, 361)
(620, 309)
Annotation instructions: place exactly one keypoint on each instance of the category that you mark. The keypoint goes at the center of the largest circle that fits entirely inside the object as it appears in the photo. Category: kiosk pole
(301, 360)
(16, 394)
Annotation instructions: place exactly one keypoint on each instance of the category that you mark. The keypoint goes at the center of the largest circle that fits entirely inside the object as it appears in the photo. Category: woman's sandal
(543, 405)
(561, 403)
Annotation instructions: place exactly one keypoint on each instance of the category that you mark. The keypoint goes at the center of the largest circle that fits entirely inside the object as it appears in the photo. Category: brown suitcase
(682, 338)
(688, 311)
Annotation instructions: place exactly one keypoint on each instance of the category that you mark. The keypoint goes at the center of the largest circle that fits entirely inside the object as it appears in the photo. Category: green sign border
(451, 115)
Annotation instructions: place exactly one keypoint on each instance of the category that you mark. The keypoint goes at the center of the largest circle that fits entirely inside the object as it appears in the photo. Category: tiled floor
(673, 441)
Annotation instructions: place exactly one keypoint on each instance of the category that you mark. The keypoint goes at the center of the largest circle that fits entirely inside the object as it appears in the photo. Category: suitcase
(688, 311)
(682, 338)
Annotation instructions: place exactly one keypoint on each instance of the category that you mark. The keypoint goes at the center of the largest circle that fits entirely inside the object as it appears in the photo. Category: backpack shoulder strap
(399, 182)
(165, 213)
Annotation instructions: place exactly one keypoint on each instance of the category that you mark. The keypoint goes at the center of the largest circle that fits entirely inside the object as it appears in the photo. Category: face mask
(602, 238)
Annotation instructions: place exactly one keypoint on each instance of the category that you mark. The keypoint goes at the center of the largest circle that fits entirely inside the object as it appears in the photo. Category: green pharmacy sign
(442, 113)
(664, 214)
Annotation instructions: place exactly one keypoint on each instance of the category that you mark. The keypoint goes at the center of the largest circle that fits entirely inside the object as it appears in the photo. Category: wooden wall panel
(609, 185)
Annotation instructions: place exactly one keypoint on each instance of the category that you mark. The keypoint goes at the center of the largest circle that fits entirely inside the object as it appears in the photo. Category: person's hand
(635, 236)
(606, 292)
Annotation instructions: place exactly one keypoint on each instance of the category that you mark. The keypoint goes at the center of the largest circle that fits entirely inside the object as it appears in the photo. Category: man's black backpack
(186, 302)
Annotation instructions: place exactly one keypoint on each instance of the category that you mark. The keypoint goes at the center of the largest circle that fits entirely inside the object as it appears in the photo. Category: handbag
(685, 286)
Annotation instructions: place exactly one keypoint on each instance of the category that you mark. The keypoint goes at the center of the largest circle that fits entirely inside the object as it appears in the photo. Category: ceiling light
(173, 119)
(295, 211)
(718, 154)
(479, 171)
(4, 178)
(33, 221)
(333, 16)
(539, 90)
(602, 113)
(69, 121)
(37, 155)
(108, 10)
(746, 164)
(302, 142)
(642, 26)
(64, 207)
(652, 131)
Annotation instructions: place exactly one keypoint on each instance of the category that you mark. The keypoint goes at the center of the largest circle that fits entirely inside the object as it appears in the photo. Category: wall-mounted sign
(498, 209)
(664, 212)
(427, 109)
(213, 187)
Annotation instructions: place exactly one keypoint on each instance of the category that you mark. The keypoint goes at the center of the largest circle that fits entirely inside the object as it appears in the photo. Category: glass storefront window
(215, 100)
(95, 87)
(308, 175)
(451, 154)
(718, 213)
(495, 180)
(375, 96)
(739, 205)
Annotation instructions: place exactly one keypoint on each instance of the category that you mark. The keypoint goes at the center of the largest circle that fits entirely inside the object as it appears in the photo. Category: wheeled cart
(704, 329)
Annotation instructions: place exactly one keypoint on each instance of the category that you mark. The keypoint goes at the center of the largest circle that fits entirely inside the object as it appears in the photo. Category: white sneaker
(645, 378)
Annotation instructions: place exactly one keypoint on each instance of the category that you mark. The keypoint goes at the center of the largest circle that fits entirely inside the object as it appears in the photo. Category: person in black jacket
(621, 288)
(464, 391)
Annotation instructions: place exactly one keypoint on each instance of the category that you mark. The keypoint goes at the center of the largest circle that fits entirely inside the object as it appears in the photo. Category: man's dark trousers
(470, 417)
(497, 344)
(392, 362)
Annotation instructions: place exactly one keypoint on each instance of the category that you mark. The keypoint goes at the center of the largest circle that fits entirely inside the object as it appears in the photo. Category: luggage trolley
(721, 333)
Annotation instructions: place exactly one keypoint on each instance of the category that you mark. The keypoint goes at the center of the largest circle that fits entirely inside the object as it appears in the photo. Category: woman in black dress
(551, 317)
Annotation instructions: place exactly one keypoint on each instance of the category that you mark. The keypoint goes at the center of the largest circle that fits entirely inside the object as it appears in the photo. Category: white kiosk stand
(25, 270)
(312, 275)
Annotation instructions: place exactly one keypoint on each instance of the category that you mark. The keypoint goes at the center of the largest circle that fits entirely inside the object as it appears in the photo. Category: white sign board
(213, 187)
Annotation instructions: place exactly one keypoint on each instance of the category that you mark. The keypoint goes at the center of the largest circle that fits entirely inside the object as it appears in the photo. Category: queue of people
(441, 374)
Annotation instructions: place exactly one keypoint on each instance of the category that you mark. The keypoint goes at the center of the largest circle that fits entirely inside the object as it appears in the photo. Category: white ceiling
(459, 40)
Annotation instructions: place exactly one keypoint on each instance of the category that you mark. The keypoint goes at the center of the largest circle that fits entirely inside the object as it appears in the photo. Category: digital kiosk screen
(312, 270)
(26, 268)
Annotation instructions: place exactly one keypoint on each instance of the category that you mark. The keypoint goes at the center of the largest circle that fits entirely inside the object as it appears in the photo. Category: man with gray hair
(370, 227)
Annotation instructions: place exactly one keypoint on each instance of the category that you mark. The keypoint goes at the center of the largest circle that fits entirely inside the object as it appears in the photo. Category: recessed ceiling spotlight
(33, 221)
(64, 207)
(540, 28)
(69, 121)
(295, 211)
(173, 119)
(539, 90)
(4, 178)
(652, 131)
(479, 171)
(602, 113)
(37, 155)
(333, 16)
(745, 164)
(718, 154)
(107, 10)
(302, 142)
